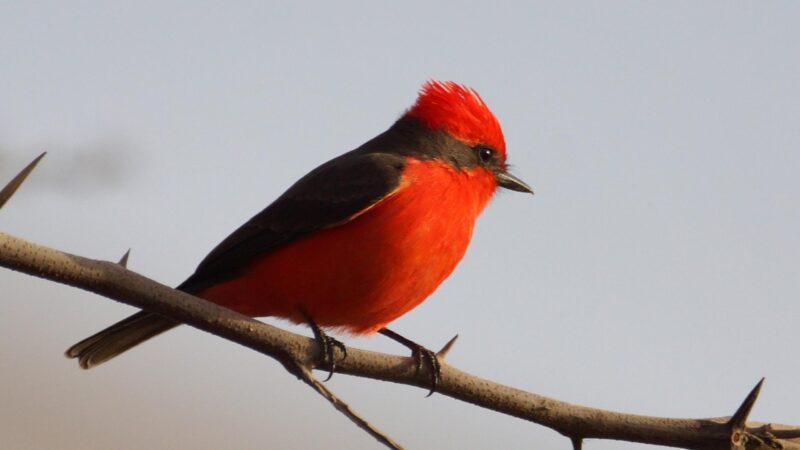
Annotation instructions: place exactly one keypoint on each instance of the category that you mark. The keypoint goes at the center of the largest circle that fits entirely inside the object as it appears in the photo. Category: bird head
(460, 112)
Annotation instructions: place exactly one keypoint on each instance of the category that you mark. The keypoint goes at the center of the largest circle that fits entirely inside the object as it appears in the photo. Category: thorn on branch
(577, 443)
(124, 260)
(16, 182)
(442, 354)
(738, 421)
(740, 416)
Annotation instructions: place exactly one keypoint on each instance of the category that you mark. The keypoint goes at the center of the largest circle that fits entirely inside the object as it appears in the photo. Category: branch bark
(298, 353)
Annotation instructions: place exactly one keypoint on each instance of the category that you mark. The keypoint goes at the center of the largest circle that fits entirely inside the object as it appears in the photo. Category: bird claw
(327, 346)
(422, 357)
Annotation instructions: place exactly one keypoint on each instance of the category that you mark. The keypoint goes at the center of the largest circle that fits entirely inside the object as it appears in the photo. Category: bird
(360, 240)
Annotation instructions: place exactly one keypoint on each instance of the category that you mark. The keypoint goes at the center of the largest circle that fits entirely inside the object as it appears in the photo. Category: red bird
(360, 240)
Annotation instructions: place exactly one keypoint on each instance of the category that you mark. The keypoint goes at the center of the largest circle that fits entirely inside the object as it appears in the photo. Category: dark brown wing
(327, 196)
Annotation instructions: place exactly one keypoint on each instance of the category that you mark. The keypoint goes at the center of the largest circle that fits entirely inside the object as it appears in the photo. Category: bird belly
(363, 274)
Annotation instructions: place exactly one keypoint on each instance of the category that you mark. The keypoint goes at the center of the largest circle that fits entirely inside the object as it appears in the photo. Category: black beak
(508, 181)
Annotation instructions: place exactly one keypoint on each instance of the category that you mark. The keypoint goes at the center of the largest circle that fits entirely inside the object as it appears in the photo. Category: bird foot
(422, 357)
(327, 346)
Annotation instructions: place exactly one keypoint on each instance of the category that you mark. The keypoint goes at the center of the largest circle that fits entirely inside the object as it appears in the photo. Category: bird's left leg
(421, 354)
(327, 345)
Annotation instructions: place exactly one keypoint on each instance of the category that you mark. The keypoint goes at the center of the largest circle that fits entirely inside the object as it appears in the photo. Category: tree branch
(298, 352)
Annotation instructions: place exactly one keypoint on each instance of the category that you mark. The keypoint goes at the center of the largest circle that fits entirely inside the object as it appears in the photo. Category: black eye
(485, 154)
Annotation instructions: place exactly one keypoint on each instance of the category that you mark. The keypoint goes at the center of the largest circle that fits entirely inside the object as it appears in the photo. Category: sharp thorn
(16, 182)
(577, 443)
(740, 416)
(124, 260)
(442, 354)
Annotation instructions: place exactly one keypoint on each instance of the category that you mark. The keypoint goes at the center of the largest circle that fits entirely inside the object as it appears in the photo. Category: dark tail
(118, 338)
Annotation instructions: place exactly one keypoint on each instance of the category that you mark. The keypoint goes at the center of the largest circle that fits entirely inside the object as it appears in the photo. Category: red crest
(460, 111)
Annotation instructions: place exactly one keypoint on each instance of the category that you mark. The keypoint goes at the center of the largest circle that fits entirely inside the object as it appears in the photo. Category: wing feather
(330, 195)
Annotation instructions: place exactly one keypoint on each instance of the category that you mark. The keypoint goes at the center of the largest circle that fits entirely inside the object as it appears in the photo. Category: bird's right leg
(421, 354)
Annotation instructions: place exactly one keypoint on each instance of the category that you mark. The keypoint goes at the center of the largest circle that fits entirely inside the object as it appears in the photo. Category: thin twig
(345, 409)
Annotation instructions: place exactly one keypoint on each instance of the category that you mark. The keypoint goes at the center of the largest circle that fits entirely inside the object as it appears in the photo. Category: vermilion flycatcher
(360, 240)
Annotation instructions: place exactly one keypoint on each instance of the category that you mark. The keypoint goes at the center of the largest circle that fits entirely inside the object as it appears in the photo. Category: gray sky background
(654, 272)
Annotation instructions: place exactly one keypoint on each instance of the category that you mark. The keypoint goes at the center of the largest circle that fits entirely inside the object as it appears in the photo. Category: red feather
(460, 111)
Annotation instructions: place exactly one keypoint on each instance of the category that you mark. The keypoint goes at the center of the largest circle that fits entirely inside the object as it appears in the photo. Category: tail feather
(118, 338)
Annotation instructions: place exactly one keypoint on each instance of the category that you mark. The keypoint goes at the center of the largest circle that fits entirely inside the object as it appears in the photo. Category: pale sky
(655, 271)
